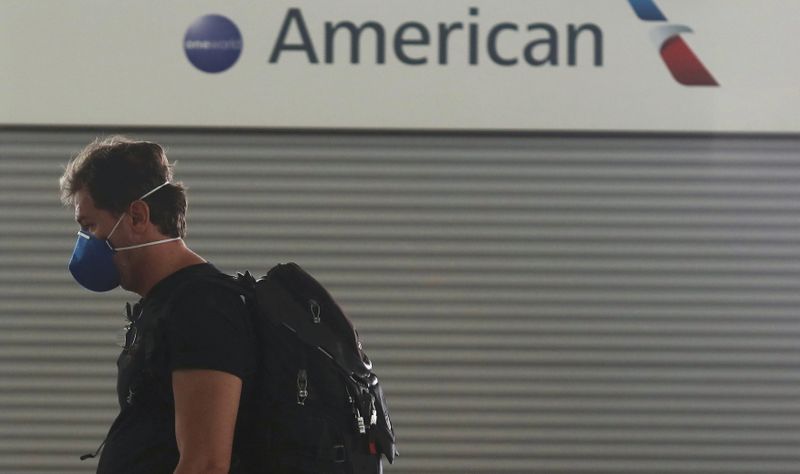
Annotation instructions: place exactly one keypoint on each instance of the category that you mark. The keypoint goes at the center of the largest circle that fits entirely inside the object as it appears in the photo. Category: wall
(534, 303)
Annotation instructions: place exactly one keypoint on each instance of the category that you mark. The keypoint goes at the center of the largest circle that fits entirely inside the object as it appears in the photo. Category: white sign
(586, 65)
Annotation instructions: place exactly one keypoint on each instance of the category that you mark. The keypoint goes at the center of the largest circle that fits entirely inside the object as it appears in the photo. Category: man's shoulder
(208, 290)
(189, 282)
(208, 295)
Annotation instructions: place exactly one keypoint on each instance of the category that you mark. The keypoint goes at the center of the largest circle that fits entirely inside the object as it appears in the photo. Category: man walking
(185, 382)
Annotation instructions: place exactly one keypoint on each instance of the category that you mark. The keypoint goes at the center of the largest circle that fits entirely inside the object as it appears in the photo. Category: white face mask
(131, 247)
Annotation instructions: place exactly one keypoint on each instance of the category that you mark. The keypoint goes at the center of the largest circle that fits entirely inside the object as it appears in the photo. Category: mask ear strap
(148, 244)
(114, 228)
(152, 191)
(123, 214)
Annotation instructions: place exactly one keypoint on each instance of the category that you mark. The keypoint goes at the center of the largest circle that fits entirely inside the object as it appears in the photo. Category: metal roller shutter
(533, 304)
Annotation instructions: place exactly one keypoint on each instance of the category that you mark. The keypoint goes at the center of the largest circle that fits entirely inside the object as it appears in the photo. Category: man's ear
(140, 216)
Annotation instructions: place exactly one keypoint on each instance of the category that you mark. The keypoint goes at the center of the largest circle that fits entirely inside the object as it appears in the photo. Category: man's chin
(124, 283)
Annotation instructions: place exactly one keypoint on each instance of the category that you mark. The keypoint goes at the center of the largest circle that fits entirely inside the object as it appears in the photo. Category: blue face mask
(92, 262)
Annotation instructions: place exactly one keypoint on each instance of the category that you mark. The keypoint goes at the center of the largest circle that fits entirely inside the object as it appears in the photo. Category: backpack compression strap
(275, 301)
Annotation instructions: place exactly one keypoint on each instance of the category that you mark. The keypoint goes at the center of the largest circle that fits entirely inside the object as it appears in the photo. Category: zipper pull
(360, 426)
(314, 306)
(94, 455)
(302, 387)
(373, 418)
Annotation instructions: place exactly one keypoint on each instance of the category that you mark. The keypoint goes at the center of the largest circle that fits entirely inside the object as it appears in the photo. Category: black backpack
(322, 409)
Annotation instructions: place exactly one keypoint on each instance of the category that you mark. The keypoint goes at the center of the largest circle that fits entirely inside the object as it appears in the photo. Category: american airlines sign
(586, 65)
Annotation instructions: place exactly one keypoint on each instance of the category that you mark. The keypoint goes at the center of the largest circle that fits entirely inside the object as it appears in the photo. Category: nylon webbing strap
(279, 305)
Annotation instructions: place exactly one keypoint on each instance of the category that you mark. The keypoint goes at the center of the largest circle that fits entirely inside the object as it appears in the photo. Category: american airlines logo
(681, 61)
(213, 43)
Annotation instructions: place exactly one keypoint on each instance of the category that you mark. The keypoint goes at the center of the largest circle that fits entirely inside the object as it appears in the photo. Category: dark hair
(117, 170)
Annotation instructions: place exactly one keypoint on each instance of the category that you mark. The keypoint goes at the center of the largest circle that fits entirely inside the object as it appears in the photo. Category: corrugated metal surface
(533, 304)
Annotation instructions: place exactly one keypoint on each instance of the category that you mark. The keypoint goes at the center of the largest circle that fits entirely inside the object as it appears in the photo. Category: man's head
(105, 183)
(116, 171)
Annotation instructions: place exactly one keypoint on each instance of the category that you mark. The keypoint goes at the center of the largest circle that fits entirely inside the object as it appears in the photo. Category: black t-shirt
(185, 322)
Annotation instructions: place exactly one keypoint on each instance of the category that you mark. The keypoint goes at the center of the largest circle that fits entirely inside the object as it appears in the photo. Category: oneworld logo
(213, 43)
(681, 61)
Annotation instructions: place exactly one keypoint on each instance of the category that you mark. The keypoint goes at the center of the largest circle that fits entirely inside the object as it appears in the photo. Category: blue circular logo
(213, 43)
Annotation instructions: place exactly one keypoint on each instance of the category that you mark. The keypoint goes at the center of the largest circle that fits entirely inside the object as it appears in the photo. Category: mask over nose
(92, 262)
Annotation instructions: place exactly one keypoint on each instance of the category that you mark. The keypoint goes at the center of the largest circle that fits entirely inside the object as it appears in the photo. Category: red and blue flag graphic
(681, 61)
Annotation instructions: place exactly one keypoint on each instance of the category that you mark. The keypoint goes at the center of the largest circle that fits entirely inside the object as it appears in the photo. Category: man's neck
(160, 263)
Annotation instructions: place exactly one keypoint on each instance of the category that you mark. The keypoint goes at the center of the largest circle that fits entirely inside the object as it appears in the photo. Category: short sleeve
(209, 328)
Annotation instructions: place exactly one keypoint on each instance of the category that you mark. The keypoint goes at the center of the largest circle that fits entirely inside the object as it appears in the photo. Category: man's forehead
(80, 215)
(84, 206)
(82, 201)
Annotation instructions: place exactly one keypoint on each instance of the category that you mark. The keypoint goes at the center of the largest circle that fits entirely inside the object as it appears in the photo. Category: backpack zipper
(302, 387)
